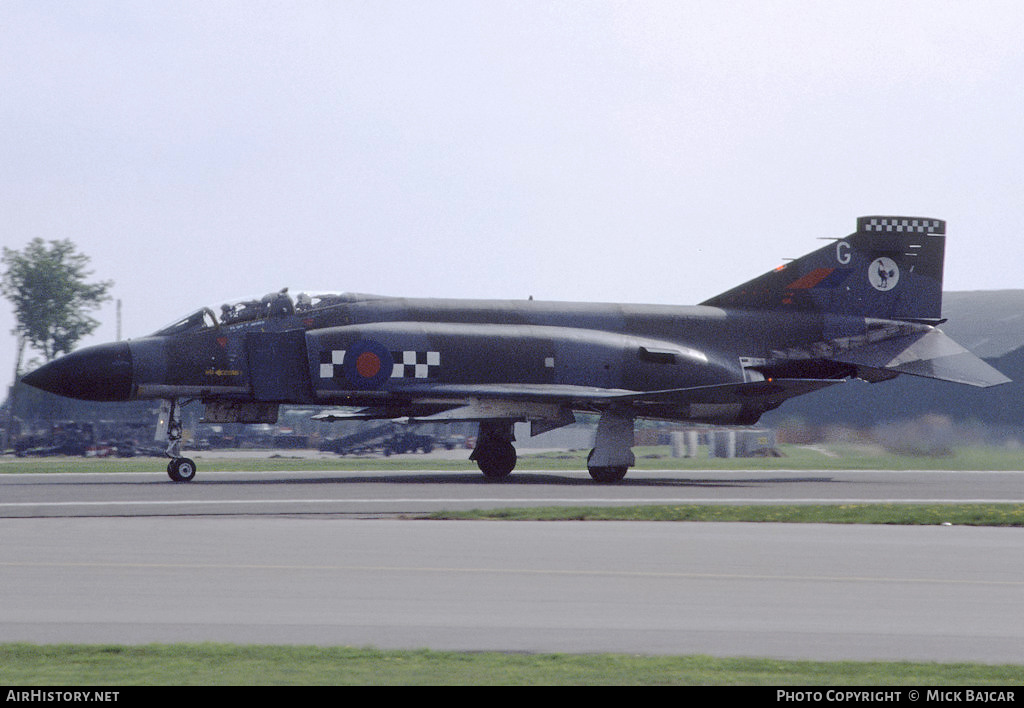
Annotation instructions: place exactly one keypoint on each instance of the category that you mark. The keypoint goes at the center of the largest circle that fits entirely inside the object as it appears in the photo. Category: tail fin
(889, 268)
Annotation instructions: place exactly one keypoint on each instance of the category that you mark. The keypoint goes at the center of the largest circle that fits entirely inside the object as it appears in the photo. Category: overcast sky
(634, 151)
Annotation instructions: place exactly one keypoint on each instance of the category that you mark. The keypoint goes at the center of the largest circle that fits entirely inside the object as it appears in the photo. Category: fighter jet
(865, 306)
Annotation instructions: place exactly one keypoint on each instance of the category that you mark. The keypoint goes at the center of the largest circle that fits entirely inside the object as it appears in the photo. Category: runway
(318, 558)
(418, 491)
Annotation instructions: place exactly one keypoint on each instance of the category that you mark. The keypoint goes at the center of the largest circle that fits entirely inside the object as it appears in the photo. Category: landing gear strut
(494, 453)
(179, 469)
(611, 457)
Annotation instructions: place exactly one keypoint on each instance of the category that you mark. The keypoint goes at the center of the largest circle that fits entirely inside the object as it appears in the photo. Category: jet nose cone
(100, 373)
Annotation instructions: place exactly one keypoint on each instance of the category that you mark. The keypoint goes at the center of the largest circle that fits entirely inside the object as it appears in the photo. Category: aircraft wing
(551, 406)
(441, 401)
(546, 406)
(768, 390)
(733, 403)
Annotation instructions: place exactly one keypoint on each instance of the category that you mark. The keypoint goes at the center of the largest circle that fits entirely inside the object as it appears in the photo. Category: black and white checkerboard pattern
(415, 365)
(901, 224)
(330, 362)
(408, 364)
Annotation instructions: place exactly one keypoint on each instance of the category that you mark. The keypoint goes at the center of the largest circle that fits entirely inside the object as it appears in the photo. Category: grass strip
(794, 457)
(897, 514)
(233, 665)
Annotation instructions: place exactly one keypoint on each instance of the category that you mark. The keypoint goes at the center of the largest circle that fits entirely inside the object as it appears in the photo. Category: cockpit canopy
(271, 305)
(200, 319)
(277, 304)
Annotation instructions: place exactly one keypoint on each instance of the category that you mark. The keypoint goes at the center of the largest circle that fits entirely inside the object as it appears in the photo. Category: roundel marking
(368, 365)
(883, 273)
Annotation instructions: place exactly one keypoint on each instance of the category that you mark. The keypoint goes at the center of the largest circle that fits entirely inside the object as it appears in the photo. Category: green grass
(795, 457)
(898, 514)
(841, 457)
(221, 664)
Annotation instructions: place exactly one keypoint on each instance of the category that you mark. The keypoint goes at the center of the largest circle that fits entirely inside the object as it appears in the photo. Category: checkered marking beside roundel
(415, 365)
(407, 364)
(331, 362)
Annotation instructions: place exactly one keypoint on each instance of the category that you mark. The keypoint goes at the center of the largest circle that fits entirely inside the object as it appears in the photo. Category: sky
(592, 150)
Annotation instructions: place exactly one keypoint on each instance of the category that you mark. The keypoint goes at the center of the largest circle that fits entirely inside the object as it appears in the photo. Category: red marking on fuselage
(368, 365)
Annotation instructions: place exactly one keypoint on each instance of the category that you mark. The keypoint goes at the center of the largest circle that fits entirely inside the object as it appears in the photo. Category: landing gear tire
(496, 460)
(606, 475)
(181, 469)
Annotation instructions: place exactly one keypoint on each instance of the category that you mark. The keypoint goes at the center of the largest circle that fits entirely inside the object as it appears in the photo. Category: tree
(47, 286)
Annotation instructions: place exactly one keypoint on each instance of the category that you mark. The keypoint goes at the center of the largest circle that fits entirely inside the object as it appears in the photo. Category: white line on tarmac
(496, 500)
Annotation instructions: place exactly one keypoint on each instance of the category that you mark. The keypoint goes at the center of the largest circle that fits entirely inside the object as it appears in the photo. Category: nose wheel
(179, 469)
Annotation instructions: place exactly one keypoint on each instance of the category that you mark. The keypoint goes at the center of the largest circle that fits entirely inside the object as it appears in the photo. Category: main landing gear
(494, 453)
(611, 457)
(607, 463)
(606, 474)
(179, 469)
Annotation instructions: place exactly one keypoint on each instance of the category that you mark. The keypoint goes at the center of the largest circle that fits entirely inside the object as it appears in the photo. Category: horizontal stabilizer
(931, 354)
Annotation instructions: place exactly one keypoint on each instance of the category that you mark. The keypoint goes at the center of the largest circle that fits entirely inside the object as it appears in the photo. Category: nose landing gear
(179, 469)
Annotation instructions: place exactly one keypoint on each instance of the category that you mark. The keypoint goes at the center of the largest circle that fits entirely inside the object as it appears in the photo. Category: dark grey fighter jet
(864, 306)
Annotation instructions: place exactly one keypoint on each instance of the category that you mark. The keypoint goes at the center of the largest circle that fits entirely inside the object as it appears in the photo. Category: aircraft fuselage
(444, 348)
